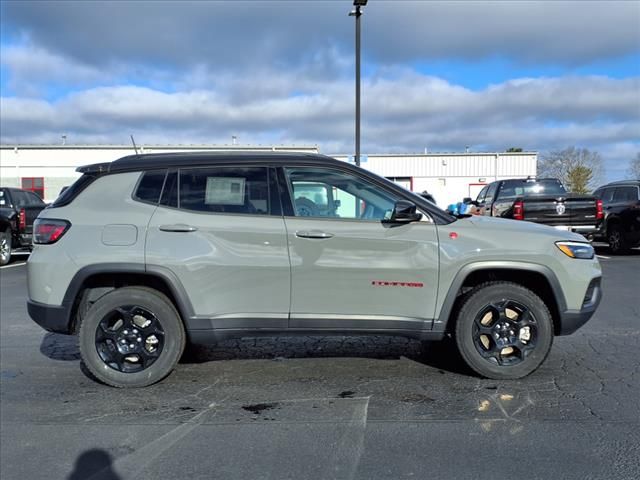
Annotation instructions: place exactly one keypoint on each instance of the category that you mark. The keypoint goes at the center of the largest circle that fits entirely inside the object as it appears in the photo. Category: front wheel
(131, 337)
(5, 247)
(503, 330)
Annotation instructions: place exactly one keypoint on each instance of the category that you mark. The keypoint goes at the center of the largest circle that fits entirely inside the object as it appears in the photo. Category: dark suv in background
(621, 225)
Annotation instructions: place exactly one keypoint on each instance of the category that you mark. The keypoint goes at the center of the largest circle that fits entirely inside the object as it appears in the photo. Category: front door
(349, 270)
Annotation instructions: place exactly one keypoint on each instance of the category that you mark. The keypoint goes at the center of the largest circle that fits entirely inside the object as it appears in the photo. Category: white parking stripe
(602, 256)
(14, 265)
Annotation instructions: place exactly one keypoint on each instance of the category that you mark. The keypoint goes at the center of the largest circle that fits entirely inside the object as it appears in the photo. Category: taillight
(518, 210)
(47, 231)
(22, 219)
(599, 210)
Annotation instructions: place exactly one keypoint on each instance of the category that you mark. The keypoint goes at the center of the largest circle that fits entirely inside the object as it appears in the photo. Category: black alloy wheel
(129, 339)
(505, 332)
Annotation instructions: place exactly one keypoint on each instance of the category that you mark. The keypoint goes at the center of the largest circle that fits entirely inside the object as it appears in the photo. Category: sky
(441, 76)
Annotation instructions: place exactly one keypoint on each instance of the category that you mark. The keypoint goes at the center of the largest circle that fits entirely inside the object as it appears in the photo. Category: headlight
(576, 250)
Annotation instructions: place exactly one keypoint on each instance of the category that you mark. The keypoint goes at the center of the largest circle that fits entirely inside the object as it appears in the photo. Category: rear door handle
(178, 227)
(313, 234)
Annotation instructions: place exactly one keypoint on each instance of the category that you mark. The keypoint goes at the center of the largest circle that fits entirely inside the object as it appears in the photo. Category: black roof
(149, 161)
(621, 182)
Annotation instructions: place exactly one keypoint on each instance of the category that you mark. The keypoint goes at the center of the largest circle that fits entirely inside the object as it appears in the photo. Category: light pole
(357, 12)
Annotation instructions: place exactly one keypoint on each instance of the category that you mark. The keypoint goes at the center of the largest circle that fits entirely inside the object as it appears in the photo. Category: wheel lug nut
(135, 331)
(123, 341)
(131, 345)
(126, 332)
(139, 339)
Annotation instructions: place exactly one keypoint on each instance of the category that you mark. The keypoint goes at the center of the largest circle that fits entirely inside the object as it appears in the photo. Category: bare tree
(634, 167)
(561, 164)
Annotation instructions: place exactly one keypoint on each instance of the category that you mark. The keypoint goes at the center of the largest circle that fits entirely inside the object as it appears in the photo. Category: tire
(520, 319)
(618, 243)
(5, 246)
(157, 347)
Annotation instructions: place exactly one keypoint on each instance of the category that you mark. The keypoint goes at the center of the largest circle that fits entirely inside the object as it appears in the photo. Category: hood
(496, 224)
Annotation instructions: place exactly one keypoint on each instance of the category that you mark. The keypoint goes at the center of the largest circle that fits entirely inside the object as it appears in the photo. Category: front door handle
(313, 234)
(178, 227)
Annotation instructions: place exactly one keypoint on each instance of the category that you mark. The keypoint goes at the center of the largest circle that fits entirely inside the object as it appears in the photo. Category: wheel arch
(538, 278)
(93, 281)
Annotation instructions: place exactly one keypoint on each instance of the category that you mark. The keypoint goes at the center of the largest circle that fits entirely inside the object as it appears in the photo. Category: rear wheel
(618, 243)
(131, 337)
(503, 330)
(5, 247)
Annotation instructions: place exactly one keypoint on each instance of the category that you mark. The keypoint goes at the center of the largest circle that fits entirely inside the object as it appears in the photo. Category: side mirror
(404, 212)
(467, 200)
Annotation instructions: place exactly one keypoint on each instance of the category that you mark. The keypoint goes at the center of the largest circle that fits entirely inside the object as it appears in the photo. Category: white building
(449, 177)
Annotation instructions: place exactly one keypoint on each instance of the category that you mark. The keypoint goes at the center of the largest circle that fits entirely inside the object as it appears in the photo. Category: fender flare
(183, 304)
(442, 320)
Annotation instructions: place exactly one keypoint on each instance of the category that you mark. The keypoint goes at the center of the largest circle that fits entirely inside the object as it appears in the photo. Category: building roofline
(158, 146)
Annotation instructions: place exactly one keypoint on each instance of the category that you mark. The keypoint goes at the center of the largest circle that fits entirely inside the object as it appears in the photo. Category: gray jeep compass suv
(149, 252)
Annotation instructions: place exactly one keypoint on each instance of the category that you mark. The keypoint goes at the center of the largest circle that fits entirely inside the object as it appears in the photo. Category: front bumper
(572, 320)
(50, 317)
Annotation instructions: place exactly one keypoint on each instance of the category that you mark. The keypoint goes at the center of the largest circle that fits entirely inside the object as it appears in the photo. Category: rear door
(219, 230)
(350, 270)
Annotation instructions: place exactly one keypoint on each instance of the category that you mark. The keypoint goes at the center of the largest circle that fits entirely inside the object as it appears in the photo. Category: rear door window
(625, 194)
(234, 190)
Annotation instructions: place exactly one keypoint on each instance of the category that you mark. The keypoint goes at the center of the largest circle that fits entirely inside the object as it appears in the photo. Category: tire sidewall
(166, 314)
(494, 293)
(621, 245)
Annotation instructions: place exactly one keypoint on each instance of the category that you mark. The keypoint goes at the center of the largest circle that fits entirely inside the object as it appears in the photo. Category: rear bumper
(25, 240)
(572, 320)
(50, 317)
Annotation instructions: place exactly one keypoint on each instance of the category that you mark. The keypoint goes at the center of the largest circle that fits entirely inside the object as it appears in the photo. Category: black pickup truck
(18, 210)
(543, 200)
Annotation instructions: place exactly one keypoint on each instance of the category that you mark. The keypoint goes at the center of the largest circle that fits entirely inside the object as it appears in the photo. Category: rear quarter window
(150, 186)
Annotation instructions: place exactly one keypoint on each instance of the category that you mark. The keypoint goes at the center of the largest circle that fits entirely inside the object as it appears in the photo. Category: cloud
(242, 34)
(402, 111)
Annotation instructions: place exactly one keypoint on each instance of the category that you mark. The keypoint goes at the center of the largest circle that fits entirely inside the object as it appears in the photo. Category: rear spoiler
(94, 168)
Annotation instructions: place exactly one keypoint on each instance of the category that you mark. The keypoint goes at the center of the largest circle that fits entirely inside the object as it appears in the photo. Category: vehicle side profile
(150, 252)
(621, 225)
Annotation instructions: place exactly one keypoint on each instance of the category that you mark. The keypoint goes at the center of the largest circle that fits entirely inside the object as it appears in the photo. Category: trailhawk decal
(381, 283)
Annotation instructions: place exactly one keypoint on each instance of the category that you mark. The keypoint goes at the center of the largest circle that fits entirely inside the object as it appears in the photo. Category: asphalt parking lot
(334, 408)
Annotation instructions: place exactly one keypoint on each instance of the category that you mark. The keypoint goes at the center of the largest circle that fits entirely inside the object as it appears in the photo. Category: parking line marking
(602, 256)
(14, 265)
